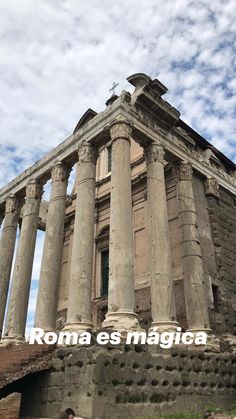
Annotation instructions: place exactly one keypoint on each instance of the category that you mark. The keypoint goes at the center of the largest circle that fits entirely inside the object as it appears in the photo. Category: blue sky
(58, 57)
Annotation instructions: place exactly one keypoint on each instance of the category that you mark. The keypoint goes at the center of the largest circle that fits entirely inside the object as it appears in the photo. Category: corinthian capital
(184, 171)
(87, 153)
(120, 129)
(59, 172)
(34, 189)
(12, 204)
(212, 187)
(154, 152)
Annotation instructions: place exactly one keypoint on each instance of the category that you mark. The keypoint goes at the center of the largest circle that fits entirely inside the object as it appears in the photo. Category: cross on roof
(113, 87)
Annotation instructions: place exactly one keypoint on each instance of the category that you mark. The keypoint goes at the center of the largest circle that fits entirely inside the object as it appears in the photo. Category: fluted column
(195, 292)
(7, 245)
(80, 283)
(160, 261)
(19, 295)
(45, 316)
(121, 295)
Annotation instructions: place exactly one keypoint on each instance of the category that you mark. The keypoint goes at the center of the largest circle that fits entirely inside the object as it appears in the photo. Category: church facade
(145, 240)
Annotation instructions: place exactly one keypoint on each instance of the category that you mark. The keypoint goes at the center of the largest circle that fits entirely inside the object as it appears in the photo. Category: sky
(60, 57)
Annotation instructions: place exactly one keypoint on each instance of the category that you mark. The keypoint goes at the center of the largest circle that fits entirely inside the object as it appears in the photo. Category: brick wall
(10, 406)
(222, 214)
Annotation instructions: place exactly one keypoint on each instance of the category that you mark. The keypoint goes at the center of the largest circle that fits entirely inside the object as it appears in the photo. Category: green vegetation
(201, 415)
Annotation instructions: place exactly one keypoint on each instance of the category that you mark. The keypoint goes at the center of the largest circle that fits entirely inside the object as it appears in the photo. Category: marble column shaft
(19, 295)
(79, 316)
(46, 306)
(195, 293)
(160, 261)
(7, 246)
(121, 297)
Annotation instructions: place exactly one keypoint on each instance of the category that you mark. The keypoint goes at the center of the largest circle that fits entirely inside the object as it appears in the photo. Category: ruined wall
(222, 215)
(10, 406)
(129, 381)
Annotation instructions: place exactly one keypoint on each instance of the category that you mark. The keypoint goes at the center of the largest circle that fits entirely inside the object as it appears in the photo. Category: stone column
(19, 295)
(160, 261)
(80, 283)
(121, 303)
(45, 316)
(195, 293)
(7, 246)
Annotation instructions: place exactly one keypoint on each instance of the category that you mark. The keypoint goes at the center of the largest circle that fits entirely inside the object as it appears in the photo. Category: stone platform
(129, 382)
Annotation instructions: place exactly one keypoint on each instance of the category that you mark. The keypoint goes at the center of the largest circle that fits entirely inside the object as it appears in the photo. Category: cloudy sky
(59, 57)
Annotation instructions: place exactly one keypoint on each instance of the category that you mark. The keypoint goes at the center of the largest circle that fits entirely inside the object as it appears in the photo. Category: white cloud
(57, 59)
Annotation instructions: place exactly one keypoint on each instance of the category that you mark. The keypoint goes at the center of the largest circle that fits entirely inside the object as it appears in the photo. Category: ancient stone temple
(146, 239)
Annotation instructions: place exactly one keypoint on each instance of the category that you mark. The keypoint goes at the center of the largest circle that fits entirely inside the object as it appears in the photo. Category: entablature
(151, 119)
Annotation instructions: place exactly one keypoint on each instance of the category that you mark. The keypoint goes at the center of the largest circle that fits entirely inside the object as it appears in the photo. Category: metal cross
(112, 89)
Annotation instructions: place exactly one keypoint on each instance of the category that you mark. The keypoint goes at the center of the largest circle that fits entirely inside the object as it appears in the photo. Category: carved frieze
(182, 133)
(187, 149)
(212, 187)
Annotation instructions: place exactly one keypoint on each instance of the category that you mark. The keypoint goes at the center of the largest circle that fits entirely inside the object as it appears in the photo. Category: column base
(213, 343)
(78, 327)
(8, 340)
(164, 326)
(121, 320)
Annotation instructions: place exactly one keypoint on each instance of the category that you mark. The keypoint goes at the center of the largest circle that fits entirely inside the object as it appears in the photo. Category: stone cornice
(145, 129)
(146, 97)
(94, 130)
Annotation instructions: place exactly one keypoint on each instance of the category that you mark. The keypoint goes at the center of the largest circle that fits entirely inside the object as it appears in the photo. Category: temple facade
(146, 238)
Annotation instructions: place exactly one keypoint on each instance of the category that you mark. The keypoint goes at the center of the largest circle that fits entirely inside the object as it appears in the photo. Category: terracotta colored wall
(10, 406)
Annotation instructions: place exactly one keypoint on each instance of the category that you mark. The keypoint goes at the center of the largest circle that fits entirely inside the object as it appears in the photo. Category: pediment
(85, 118)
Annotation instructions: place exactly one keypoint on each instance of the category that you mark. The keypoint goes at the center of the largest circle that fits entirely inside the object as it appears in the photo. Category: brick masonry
(222, 215)
(16, 361)
(10, 406)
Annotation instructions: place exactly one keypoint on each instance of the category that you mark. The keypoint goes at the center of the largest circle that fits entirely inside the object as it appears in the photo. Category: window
(104, 272)
(215, 292)
(109, 158)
